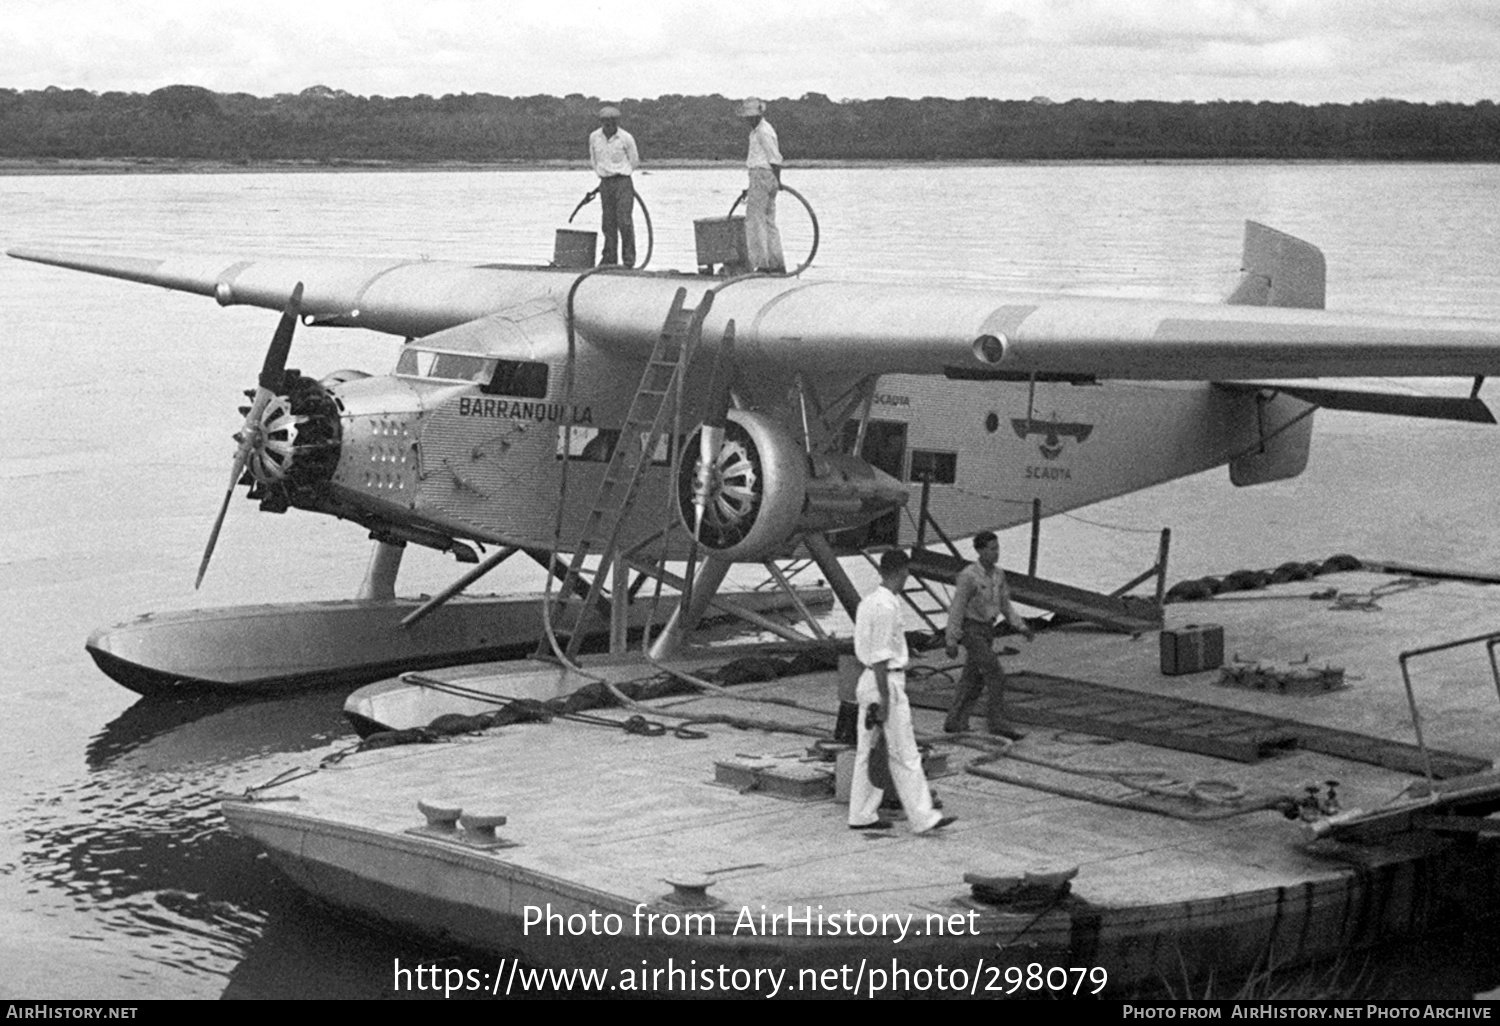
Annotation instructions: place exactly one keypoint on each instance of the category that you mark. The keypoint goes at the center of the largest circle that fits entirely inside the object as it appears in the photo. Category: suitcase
(1192, 649)
(794, 777)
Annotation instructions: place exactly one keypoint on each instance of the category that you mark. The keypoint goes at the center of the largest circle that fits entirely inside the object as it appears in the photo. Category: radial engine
(765, 489)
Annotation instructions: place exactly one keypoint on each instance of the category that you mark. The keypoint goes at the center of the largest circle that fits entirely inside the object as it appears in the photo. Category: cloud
(1305, 50)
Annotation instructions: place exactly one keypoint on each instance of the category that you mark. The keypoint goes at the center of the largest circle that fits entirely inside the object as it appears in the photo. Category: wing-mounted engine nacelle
(765, 490)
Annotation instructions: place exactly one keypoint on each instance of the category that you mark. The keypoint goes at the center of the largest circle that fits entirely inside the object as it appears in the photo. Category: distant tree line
(322, 124)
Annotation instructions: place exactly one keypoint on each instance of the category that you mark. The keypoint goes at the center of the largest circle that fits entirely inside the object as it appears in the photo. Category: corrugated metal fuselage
(448, 457)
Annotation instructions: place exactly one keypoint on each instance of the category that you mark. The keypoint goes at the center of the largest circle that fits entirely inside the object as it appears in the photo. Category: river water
(117, 876)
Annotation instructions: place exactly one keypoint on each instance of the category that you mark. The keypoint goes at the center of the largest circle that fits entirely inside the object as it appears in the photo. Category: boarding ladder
(1116, 611)
(647, 422)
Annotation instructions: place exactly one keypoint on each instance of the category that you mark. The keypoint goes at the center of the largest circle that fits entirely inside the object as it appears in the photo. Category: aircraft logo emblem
(1054, 431)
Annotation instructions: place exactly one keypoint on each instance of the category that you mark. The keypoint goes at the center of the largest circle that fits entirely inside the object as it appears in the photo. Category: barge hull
(478, 902)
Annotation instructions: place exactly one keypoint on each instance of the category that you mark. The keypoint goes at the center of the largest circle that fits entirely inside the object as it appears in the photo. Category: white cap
(752, 107)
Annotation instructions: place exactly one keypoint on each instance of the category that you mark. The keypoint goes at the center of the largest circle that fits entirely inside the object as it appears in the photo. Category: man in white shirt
(612, 151)
(764, 163)
(880, 644)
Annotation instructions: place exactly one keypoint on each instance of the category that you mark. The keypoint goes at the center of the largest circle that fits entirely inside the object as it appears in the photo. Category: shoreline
(22, 166)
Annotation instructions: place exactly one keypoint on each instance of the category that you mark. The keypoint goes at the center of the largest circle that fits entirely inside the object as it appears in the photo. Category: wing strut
(474, 574)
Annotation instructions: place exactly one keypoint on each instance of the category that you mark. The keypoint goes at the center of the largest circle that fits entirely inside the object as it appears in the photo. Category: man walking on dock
(979, 601)
(880, 645)
(613, 154)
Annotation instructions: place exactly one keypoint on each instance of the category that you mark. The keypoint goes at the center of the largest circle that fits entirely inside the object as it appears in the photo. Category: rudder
(1278, 270)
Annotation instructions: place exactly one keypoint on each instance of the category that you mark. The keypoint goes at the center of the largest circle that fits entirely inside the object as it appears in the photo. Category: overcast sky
(1308, 51)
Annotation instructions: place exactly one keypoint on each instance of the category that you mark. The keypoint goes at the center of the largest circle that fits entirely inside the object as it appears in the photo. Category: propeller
(249, 435)
(710, 446)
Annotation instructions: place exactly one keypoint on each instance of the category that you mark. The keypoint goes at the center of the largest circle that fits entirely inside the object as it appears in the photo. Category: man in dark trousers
(613, 154)
(980, 600)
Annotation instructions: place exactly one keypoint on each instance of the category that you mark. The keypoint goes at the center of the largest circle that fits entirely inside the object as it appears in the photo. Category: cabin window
(513, 377)
(935, 466)
(587, 444)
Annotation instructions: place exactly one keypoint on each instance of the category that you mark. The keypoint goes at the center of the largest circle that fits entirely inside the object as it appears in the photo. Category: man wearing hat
(764, 163)
(612, 150)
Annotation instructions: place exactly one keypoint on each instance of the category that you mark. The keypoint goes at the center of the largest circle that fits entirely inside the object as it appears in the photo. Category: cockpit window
(459, 367)
(423, 363)
(415, 362)
(524, 380)
(513, 377)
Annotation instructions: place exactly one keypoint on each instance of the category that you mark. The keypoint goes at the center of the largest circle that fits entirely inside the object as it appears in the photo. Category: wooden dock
(1185, 861)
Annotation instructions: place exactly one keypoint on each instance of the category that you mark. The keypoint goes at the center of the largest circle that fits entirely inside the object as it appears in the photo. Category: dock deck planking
(607, 816)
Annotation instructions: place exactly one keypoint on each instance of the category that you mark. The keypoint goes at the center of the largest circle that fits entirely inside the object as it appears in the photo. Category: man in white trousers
(880, 645)
(764, 164)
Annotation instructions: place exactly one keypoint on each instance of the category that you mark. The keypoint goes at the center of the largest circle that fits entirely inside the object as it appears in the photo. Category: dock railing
(1490, 640)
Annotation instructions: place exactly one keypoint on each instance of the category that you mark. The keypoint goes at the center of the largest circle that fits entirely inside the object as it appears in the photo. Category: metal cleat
(440, 816)
(481, 827)
(444, 821)
(690, 890)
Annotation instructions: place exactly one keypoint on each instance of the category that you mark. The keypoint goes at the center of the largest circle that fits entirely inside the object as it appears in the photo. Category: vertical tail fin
(1279, 270)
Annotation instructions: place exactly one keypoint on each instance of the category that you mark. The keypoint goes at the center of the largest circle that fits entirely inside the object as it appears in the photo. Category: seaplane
(610, 422)
(617, 423)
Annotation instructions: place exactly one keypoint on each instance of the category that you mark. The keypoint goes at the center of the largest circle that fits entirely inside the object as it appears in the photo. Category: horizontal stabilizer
(1397, 404)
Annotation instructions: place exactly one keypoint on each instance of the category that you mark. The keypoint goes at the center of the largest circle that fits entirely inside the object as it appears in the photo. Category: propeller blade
(281, 343)
(272, 370)
(213, 537)
(711, 438)
(710, 442)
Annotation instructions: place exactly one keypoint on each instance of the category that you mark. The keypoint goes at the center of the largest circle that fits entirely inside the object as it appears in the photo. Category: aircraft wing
(833, 327)
(963, 332)
(401, 297)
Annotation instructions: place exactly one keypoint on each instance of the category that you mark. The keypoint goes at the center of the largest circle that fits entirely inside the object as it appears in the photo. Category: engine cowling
(296, 444)
(765, 490)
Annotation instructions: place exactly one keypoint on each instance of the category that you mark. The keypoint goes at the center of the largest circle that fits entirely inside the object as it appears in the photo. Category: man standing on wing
(764, 164)
(613, 154)
(980, 600)
(880, 645)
